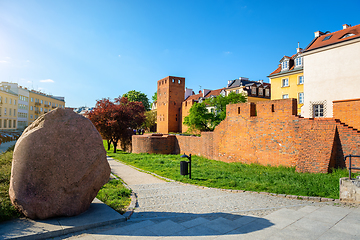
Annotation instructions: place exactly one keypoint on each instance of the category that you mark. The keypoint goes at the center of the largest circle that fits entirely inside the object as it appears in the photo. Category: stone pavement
(169, 210)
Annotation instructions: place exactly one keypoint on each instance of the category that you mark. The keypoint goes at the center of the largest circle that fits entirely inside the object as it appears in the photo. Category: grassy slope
(253, 177)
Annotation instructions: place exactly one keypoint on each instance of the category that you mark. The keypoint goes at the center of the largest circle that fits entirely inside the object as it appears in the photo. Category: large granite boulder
(58, 167)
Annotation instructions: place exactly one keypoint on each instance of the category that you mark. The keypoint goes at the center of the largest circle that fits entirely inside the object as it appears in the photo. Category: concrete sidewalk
(169, 210)
(99, 214)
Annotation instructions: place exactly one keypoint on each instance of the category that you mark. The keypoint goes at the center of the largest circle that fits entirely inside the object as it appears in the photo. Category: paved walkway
(169, 210)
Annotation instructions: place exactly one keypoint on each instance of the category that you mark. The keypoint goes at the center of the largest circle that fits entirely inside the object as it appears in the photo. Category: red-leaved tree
(116, 120)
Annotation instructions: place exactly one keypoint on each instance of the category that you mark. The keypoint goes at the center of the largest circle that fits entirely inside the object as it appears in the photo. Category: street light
(184, 165)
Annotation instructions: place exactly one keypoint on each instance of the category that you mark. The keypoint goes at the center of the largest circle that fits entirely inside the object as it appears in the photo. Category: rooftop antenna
(298, 44)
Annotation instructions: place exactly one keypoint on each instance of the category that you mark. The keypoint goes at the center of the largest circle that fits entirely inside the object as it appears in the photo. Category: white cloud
(119, 55)
(227, 53)
(47, 81)
(3, 61)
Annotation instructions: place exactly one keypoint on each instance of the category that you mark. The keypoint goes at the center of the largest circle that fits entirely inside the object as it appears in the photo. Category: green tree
(154, 97)
(135, 96)
(201, 119)
(150, 121)
(220, 102)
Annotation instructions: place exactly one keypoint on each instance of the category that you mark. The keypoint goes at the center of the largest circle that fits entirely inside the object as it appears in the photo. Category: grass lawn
(7, 211)
(113, 193)
(250, 177)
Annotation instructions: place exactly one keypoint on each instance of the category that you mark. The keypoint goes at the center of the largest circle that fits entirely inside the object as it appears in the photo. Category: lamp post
(188, 157)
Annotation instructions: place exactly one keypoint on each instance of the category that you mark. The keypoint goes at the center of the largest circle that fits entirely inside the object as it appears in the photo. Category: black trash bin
(184, 168)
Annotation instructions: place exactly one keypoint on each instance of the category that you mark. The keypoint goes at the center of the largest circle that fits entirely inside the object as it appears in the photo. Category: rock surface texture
(59, 165)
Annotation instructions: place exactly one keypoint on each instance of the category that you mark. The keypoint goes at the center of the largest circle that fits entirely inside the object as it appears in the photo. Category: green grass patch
(7, 210)
(249, 177)
(115, 195)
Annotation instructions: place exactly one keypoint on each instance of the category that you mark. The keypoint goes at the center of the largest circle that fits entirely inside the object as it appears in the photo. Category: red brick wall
(170, 95)
(153, 143)
(348, 112)
(271, 133)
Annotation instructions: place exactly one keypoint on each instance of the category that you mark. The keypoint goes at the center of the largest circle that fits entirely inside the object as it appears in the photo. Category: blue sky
(88, 50)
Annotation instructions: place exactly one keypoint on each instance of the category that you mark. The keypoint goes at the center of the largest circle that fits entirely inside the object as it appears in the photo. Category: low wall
(266, 133)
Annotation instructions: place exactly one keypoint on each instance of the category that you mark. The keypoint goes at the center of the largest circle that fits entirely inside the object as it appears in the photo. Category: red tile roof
(336, 37)
(278, 70)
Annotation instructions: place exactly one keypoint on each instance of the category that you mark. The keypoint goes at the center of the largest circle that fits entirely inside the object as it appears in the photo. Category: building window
(301, 79)
(9, 111)
(4, 123)
(285, 82)
(14, 102)
(0, 123)
(284, 65)
(31, 108)
(301, 98)
(32, 99)
(5, 111)
(318, 110)
(6, 100)
(31, 116)
(9, 100)
(14, 123)
(327, 38)
(41, 101)
(253, 90)
(261, 92)
(298, 62)
(285, 96)
(347, 35)
(9, 123)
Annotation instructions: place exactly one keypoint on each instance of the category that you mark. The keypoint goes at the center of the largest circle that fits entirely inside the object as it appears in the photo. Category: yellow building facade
(8, 109)
(40, 103)
(287, 81)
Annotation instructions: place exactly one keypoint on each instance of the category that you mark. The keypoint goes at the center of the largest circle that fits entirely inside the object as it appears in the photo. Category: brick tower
(170, 95)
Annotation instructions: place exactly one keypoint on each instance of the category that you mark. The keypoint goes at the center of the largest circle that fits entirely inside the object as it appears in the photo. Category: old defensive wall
(270, 133)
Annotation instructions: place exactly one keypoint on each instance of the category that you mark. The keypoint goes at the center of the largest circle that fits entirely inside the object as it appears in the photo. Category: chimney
(188, 92)
(243, 78)
(318, 33)
(206, 91)
(345, 26)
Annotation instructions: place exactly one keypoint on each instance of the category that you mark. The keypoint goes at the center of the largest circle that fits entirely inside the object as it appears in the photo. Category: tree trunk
(108, 143)
(115, 144)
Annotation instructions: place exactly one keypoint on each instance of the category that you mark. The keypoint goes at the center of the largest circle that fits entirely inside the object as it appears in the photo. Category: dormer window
(285, 65)
(347, 35)
(298, 62)
(253, 90)
(261, 92)
(327, 37)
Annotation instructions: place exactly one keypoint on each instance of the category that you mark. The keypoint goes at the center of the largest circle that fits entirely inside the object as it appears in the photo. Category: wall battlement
(266, 133)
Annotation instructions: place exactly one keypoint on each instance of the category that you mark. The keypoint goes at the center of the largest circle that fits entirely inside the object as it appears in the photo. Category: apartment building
(41, 103)
(8, 108)
(20, 106)
(287, 81)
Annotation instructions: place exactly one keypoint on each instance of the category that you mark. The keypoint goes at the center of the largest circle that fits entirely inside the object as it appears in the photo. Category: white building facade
(331, 70)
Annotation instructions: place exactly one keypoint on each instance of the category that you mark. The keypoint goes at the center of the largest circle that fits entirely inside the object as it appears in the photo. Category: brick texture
(266, 133)
(170, 95)
(348, 111)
